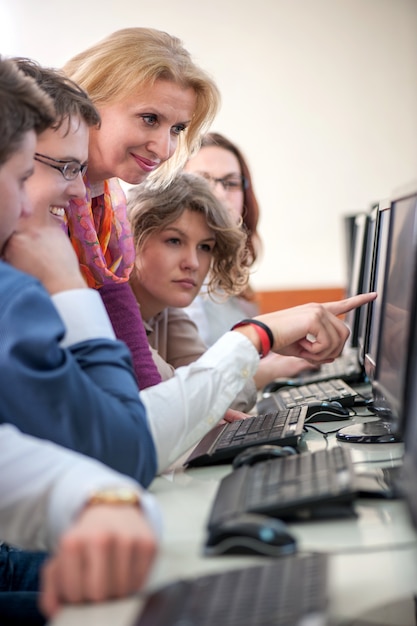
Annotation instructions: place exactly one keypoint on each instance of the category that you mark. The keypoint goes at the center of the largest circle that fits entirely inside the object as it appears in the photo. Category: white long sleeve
(181, 410)
(43, 487)
(83, 314)
(184, 408)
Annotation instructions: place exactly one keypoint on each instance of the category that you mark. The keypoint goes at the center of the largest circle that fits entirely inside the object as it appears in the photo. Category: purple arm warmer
(125, 316)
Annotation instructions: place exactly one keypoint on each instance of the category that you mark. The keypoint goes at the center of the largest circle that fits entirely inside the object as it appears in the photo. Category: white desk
(373, 557)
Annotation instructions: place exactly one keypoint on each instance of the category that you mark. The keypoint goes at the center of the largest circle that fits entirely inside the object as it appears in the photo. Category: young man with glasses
(69, 169)
(51, 497)
(88, 395)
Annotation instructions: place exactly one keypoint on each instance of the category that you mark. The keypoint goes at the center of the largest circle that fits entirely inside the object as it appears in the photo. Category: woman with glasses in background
(222, 163)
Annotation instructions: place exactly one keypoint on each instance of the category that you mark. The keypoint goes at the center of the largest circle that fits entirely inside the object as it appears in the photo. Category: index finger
(344, 306)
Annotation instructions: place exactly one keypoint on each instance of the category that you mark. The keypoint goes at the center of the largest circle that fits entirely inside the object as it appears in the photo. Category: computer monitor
(356, 279)
(409, 426)
(366, 285)
(379, 257)
(409, 473)
(397, 311)
(349, 243)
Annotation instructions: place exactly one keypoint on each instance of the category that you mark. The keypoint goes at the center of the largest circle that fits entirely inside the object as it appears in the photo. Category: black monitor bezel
(355, 285)
(367, 275)
(349, 242)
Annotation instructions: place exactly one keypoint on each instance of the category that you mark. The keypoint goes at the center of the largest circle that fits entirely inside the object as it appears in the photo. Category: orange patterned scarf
(100, 234)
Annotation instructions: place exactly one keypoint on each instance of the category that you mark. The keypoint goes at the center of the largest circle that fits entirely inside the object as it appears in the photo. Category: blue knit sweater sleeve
(84, 397)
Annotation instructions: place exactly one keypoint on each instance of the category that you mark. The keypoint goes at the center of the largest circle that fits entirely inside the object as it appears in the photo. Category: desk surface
(373, 558)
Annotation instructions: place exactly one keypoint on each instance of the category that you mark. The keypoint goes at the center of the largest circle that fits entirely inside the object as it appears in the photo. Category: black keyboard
(326, 391)
(290, 591)
(225, 441)
(302, 486)
(346, 367)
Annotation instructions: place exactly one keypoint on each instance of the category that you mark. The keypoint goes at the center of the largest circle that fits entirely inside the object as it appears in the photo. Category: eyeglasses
(230, 183)
(69, 169)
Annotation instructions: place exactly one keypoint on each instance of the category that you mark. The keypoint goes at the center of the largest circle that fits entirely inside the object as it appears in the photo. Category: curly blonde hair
(134, 58)
(151, 211)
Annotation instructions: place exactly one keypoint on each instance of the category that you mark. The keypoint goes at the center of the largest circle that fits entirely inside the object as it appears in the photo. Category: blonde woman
(154, 103)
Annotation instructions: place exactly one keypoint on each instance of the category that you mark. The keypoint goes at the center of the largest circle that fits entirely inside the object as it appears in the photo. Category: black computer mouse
(250, 533)
(326, 412)
(255, 454)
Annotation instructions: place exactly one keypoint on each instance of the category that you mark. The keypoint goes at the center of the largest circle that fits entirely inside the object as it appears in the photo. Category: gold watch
(115, 496)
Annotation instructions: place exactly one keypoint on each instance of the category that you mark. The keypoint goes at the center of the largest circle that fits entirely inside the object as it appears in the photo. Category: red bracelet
(263, 334)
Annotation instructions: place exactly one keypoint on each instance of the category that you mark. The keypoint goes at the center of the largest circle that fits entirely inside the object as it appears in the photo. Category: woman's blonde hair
(134, 58)
(152, 211)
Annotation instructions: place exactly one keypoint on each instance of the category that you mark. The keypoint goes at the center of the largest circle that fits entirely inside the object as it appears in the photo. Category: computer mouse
(255, 454)
(326, 412)
(250, 533)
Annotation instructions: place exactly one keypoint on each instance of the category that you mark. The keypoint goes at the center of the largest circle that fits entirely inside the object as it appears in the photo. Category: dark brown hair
(69, 99)
(250, 215)
(23, 107)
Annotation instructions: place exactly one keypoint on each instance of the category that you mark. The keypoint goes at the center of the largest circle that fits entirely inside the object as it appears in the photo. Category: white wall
(321, 95)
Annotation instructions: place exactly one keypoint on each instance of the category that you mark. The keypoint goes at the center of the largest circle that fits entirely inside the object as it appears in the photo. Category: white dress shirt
(43, 487)
(183, 409)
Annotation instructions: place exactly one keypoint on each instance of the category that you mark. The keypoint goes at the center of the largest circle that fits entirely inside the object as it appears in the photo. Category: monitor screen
(377, 277)
(396, 311)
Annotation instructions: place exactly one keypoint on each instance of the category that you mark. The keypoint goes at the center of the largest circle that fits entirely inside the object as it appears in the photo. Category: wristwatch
(115, 496)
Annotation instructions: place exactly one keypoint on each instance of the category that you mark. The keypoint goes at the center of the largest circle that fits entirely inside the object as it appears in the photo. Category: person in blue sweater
(51, 497)
(64, 376)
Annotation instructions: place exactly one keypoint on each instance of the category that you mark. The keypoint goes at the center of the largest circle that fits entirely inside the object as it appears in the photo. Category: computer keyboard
(290, 591)
(317, 484)
(224, 442)
(326, 391)
(346, 367)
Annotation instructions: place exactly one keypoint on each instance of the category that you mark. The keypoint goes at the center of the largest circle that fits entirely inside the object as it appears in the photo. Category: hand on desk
(107, 553)
(275, 366)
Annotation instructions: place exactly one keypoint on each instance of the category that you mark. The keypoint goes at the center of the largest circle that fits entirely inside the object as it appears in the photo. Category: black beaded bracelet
(267, 333)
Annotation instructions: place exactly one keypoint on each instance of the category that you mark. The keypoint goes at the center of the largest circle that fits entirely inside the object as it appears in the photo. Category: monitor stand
(401, 612)
(378, 431)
